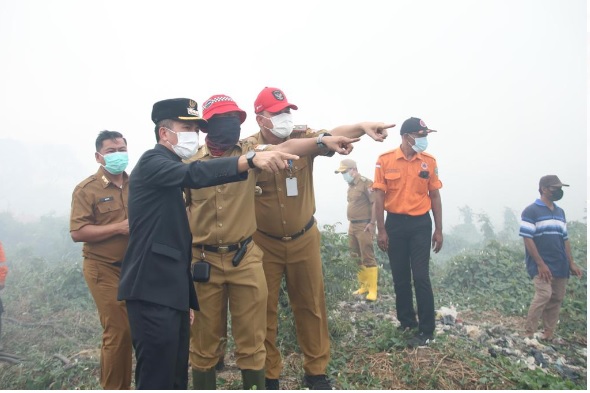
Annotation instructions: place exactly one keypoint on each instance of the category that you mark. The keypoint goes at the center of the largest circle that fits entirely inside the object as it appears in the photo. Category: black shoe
(316, 382)
(220, 365)
(403, 328)
(419, 340)
(271, 384)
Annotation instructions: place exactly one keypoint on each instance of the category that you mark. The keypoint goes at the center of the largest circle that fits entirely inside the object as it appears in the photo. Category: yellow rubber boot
(362, 277)
(372, 275)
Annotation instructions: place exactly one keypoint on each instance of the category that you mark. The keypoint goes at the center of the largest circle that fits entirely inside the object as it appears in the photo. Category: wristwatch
(322, 145)
(250, 158)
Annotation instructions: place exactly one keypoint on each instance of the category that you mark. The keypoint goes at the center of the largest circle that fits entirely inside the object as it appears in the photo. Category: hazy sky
(504, 83)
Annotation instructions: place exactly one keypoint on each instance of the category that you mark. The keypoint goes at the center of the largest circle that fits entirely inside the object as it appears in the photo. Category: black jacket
(156, 267)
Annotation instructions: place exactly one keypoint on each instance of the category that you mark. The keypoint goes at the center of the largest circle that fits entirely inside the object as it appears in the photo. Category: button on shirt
(222, 214)
(98, 201)
(276, 213)
(406, 183)
(360, 199)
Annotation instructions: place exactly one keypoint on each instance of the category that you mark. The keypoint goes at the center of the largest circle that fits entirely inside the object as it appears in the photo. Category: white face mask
(188, 143)
(282, 125)
(347, 177)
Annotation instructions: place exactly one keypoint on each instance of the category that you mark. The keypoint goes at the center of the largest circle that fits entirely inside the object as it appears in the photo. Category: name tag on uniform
(292, 186)
(106, 199)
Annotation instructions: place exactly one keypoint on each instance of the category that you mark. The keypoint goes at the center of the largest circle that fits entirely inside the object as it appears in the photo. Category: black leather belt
(360, 221)
(293, 236)
(222, 249)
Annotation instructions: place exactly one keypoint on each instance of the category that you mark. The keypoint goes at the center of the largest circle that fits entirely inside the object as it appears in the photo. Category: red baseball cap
(272, 99)
(220, 103)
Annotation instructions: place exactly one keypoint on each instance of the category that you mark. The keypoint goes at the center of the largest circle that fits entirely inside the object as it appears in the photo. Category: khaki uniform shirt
(223, 214)
(276, 213)
(360, 199)
(97, 201)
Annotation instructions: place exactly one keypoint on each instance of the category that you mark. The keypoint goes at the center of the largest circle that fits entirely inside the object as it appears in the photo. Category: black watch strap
(250, 158)
(321, 144)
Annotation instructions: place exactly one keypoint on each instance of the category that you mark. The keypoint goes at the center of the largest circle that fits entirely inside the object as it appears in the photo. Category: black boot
(253, 378)
(204, 380)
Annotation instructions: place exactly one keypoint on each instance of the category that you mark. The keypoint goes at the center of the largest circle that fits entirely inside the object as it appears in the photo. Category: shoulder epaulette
(387, 152)
(87, 181)
(300, 128)
(428, 155)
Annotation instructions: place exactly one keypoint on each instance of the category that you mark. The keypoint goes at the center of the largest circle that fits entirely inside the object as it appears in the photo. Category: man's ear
(259, 119)
(162, 133)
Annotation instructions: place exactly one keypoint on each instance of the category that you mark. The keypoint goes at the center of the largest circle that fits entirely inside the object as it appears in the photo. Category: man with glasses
(407, 187)
(549, 258)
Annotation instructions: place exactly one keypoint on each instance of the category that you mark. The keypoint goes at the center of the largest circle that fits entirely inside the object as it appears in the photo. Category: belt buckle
(286, 238)
(223, 249)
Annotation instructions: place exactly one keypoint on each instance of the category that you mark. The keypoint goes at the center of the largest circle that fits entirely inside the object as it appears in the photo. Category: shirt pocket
(422, 182)
(393, 180)
(108, 209)
(300, 171)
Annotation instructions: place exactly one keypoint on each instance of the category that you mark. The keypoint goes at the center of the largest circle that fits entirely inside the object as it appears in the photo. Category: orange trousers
(116, 351)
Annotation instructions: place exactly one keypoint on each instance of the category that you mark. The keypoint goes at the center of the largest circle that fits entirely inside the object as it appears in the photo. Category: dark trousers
(160, 337)
(409, 257)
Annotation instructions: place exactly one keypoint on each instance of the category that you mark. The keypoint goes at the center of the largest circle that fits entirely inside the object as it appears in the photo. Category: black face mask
(556, 194)
(223, 132)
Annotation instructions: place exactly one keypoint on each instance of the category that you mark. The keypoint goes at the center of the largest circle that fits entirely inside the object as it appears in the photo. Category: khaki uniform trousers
(300, 262)
(244, 287)
(546, 304)
(360, 244)
(116, 354)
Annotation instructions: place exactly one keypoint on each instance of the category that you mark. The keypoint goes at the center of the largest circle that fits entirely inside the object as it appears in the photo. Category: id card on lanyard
(291, 182)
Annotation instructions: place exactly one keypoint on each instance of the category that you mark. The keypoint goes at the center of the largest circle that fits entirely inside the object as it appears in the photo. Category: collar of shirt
(169, 152)
(539, 202)
(399, 154)
(101, 175)
(355, 181)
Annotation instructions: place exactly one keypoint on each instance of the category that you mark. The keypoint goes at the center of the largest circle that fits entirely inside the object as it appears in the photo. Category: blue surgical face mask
(420, 144)
(347, 177)
(115, 163)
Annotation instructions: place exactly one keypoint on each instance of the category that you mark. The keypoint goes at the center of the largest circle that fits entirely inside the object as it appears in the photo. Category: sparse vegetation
(51, 321)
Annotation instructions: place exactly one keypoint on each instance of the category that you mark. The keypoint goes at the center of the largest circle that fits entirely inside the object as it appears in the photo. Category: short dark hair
(168, 123)
(106, 134)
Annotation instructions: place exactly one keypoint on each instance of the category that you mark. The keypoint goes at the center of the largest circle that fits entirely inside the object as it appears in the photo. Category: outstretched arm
(376, 130)
(309, 146)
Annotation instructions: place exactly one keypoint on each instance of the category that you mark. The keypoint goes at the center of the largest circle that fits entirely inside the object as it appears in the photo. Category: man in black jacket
(156, 282)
